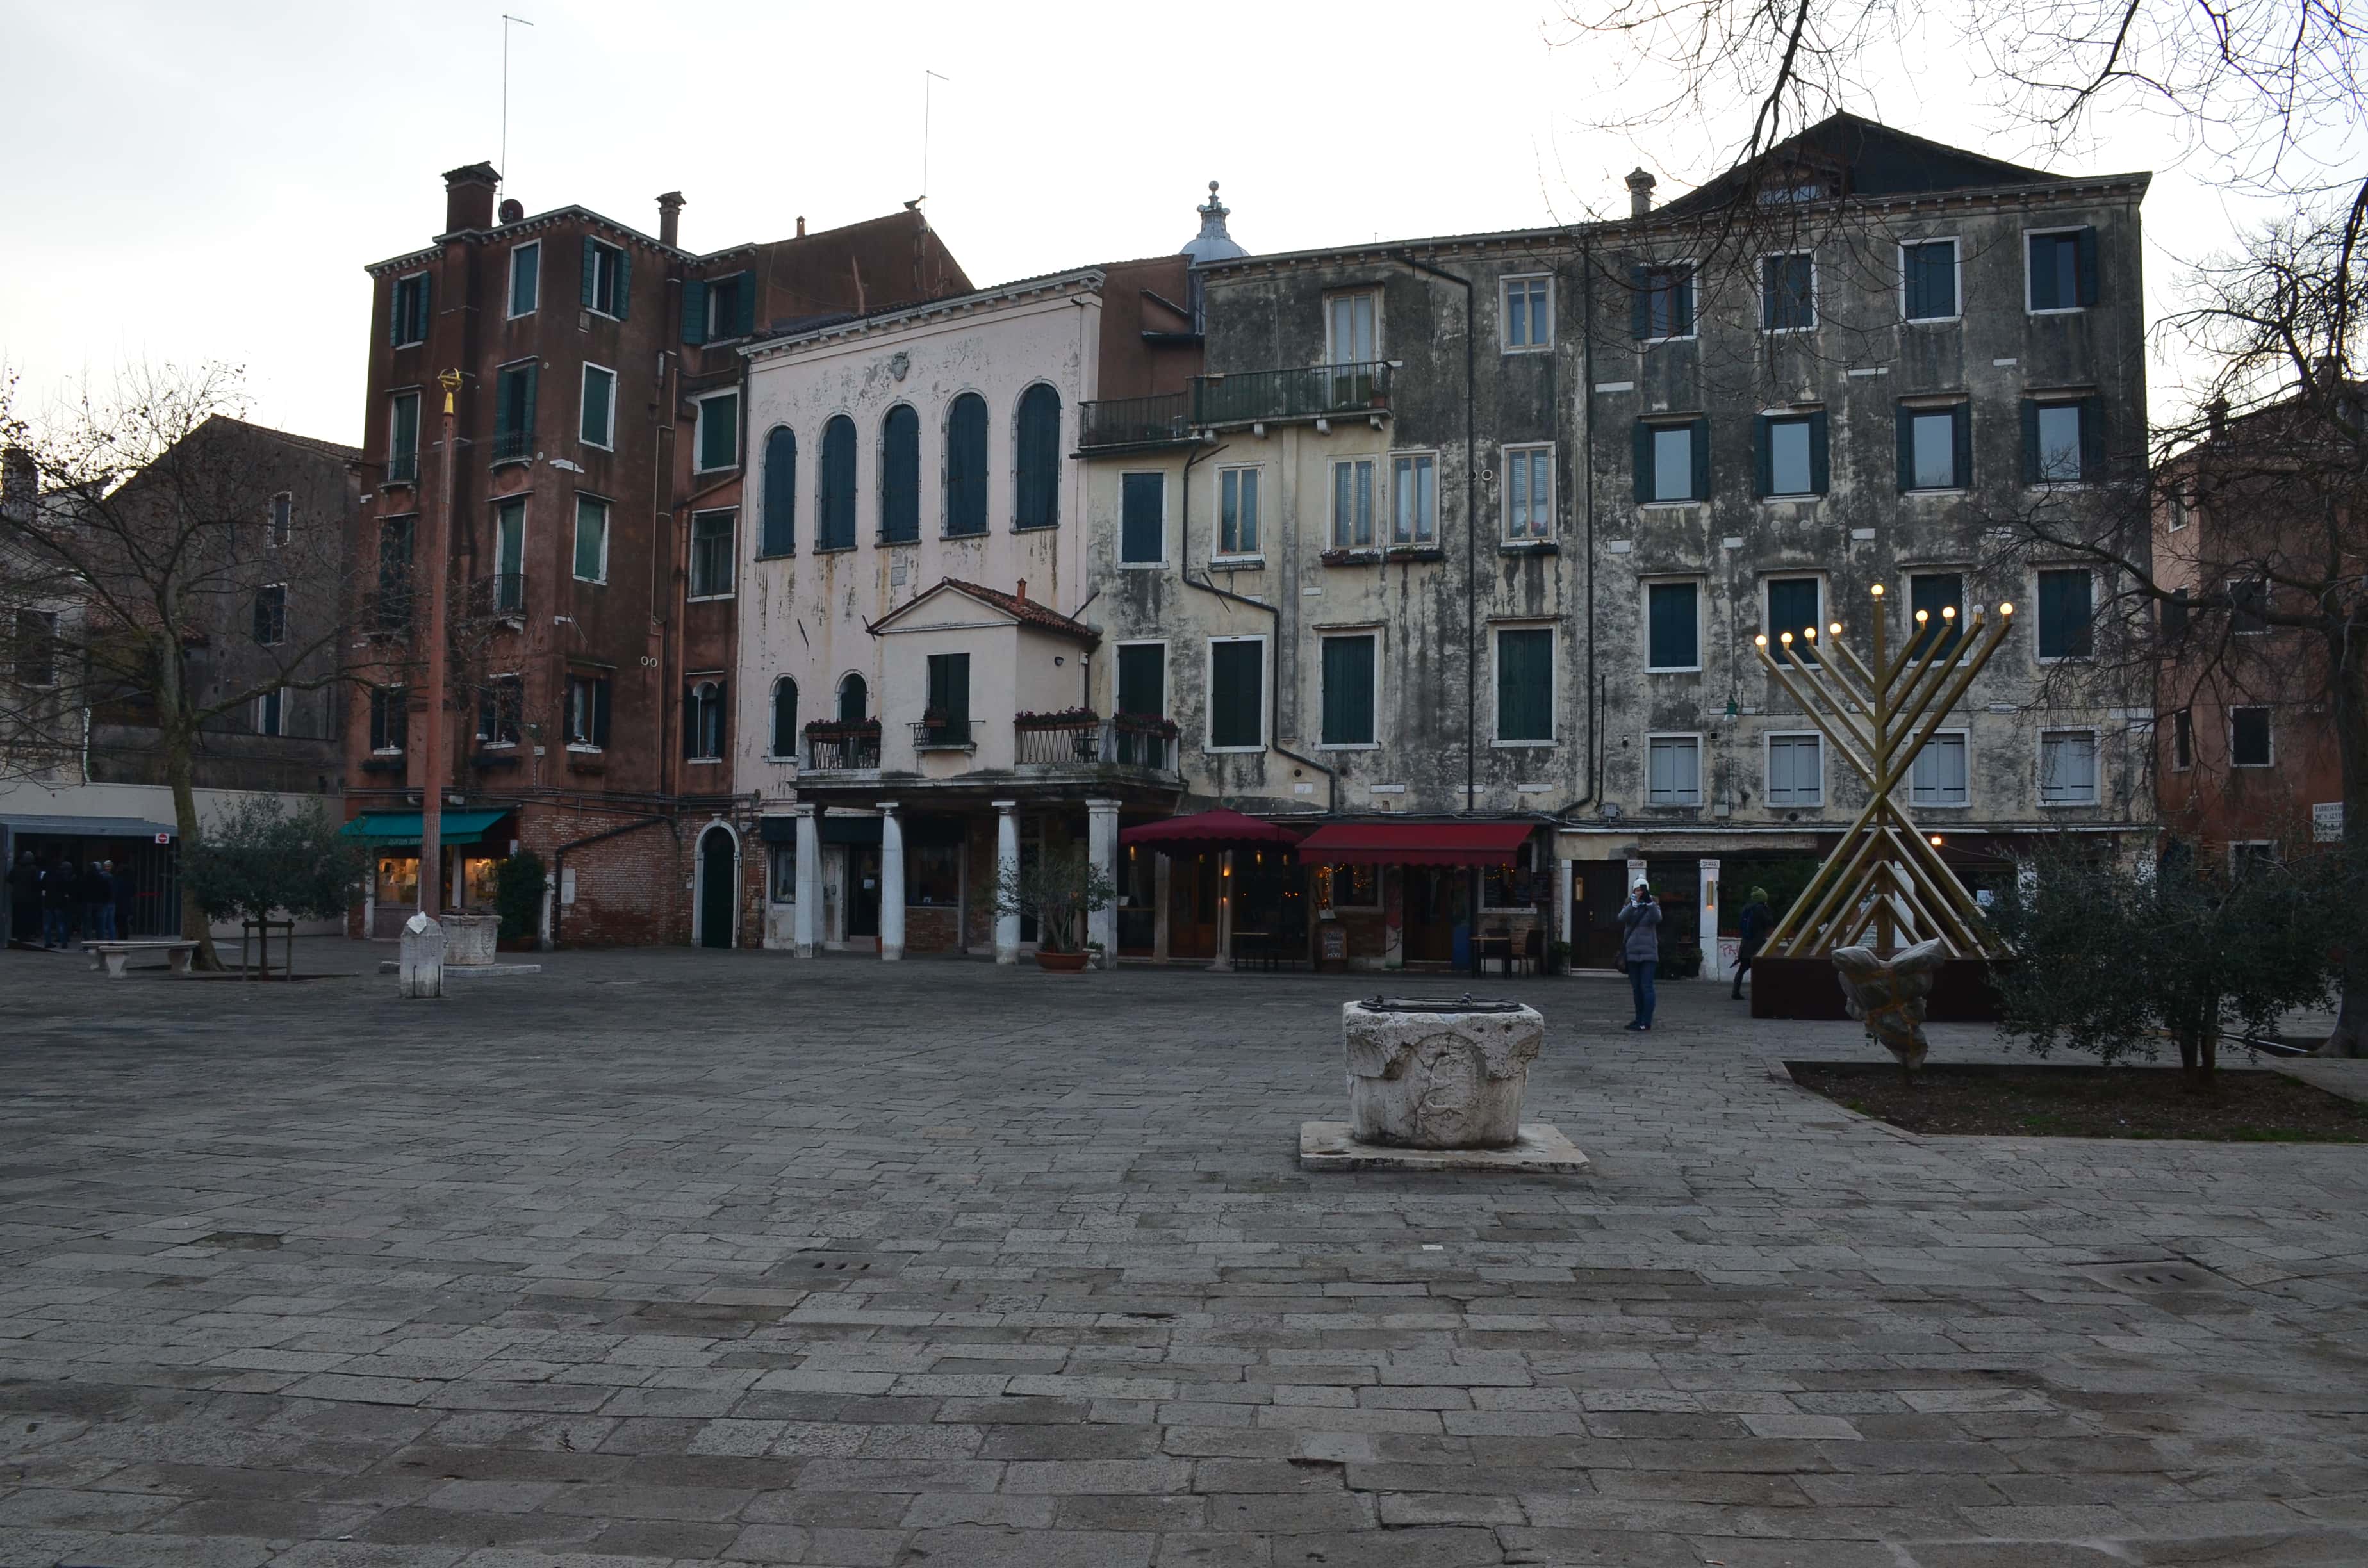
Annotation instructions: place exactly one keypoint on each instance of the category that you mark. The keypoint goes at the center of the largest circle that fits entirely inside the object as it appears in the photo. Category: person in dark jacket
(24, 899)
(58, 904)
(122, 880)
(1640, 951)
(1754, 925)
(97, 903)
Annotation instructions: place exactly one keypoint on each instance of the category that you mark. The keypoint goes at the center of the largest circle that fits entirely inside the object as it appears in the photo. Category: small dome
(1212, 243)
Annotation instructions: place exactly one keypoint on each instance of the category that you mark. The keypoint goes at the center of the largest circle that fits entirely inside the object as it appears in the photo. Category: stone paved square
(697, 1258)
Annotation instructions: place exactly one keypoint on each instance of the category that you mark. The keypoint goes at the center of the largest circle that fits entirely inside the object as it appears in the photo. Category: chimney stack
(670, 217)
(468, 198)
(2215, 413)
(802, 225)
(1640, 193)
(1023, 590)
(20, 477)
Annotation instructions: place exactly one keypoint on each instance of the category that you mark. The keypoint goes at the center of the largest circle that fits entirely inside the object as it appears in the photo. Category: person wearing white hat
(1640, 951)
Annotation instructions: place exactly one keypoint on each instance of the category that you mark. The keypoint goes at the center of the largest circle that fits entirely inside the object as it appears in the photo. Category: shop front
(1430, 896)
(475, 843)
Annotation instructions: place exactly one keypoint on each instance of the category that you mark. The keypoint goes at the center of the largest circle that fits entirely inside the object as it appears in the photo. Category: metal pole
(440, 534)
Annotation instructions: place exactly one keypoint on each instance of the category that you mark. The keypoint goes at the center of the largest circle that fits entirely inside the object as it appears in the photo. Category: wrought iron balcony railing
(503, 594)
(945, 734)
(1124, 742)
(386, 611)
(513, 446)
(844, 746)
(403, 468)
(1135, 421)
(1250, 397)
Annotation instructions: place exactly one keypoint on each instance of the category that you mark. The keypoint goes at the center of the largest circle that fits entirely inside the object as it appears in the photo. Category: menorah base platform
(1808, 988)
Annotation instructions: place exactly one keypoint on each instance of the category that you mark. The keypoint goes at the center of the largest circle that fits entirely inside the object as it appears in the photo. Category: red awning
(1417, 842)
(1219, 829)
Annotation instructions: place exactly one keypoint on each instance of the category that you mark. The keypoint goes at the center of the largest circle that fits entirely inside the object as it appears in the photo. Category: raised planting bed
(2013, 1100)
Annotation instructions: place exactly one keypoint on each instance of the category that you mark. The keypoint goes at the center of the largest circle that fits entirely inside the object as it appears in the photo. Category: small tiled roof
(1027, 612)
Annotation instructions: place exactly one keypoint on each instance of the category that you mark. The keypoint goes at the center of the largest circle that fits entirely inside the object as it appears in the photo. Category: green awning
(403, 827)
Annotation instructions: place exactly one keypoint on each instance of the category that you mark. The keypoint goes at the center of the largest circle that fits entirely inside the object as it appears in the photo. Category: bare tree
(146, 573)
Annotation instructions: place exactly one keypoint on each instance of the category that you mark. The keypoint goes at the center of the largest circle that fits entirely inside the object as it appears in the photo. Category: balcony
(1084, 740)
(501, 596)
(1319, 391)
(946, 734)
(513, 446)
(403, 468)
(1135, 421)
(844, 746)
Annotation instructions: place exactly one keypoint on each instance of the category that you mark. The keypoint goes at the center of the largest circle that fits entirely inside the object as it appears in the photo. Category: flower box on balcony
(836, 730)
(1145, 724)
(1062, 718)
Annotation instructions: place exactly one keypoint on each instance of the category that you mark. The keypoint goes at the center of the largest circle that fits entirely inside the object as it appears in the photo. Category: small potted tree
(1058, 891)
(268, 869)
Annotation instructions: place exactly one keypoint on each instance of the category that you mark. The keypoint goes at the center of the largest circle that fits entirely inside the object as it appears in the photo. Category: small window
(525, 279)
(1788, 292)
(2066, 614)
(2249, 737)
(271, 712)
(587, 710)
(966, 466)
(2175, 612)
(1414, 498)
(607, 278)
(710, 554)
(785, 719)
(591, 540)
(1673, 625)
(1661, 302)
(2061, 442)
(1351, 329)
(514, 396)
(1143, 519)
(854, 700)
(403, 438)
(784, 871)
(703, 721)
(37, 648)
(271, 614)
(410, 319)
(1525, 685)
(729, 307)
(1237, 511)
(2067, 768)
(779, 536)
(1348, 887)
(2249, 606)
(1672, 462)
(2062, 269)
(1350, 664)
(280, 521)
(1795, 605)
(2181, 506)
(1934, 592)
(1529, 493)
(1529, 313)
(2182, 741)
(1792, 455)
(501, 706)
(837, 496)
(1673, 770)
(1936, 446)
(1937, 777)
(510, 556)
(1036, 480)
(1237, 695)
(1511, 887)
(390, 719)
(2247, 855)
(1928, 280)
(1795, 771)
(719, 431)
(1352, 502)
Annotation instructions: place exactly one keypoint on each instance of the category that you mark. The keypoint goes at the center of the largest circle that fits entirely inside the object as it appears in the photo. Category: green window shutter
(958, 689)
(838, 520)
(532, 377)
(1905, 429)
(1681, 307)
(1644, 460)
(785, 717)
(1702, 460)
(1038, 495)
(966, 465)
(900, 476)
(1673, 630)
(779, 536)
(691, 714)
(600, 711)
(1763, 457)
(591, 271)
(1143, 679)
(1347, 690)
(744, 302)
(2084, 264)
(1819, 470)
(2030, 443)
(1236, 693)
(2092, 440)
(1142, 528)
(1961, 437)
(624, 281)
(694, 310)
(1525, 685)
(1640, 303)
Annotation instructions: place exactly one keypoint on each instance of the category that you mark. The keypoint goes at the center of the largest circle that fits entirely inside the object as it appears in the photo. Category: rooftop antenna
(927, 77)
(506, 20)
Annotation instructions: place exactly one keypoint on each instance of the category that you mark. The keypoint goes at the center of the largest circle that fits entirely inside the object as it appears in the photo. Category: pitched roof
(311, 443)
(1027, 612)
(1864, 157)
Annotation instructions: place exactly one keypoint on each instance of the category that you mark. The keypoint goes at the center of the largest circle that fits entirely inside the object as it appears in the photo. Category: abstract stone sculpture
(1439, 1078)
(1889, 995)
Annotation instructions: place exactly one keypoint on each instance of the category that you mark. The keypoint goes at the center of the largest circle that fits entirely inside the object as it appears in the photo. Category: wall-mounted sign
(2327, 821)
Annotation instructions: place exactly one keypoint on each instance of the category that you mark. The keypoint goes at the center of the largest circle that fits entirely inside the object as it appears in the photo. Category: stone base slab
(1541, 1148)
(470, 972)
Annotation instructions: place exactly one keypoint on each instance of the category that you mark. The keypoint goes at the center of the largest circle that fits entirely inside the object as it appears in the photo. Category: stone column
(1563, 928)
(1162, 867)
(1006, 872)
(805, 923)
(1101, 843)
(1223, 961)
(1712, 968)
(892, 883)
(369, 903)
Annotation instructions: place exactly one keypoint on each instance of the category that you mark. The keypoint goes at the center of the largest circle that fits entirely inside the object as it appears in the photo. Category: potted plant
(1058, 891)
(1557, 957)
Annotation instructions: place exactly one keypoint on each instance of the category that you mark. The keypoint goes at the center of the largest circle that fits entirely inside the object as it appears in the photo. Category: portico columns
(1101, 843)
(1565, 928)
(1712, 968)
(892, 883)
(1007, 876)
(805, 924)
(1224, 958)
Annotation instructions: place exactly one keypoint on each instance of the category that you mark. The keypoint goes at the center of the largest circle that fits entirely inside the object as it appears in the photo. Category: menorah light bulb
(1810, 632)
(1761, 640)
(1922, 616)
(1785, 638)
(2006, 610)
(1876, 590)
(1836, 628)
(1948, 612)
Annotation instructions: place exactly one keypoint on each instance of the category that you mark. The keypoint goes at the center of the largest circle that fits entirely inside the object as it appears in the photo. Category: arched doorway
(717, 887)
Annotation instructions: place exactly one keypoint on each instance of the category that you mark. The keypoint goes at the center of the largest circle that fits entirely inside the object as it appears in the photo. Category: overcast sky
(192, 182)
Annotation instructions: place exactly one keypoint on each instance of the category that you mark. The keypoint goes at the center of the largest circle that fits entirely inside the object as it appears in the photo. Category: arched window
(854, 697)
(966, 466)
(703, 721)
(836, 529)
(785, 717)
(780, 525)
(1038, 503)
(900, 476)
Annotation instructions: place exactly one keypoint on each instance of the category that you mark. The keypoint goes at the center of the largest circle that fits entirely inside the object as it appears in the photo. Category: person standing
(24, 899)
(57, 903)
(1754, 925)
(122, 880)
(98, 903)
(1640, 949)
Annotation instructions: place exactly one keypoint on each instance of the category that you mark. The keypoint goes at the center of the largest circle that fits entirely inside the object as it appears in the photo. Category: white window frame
(1768, 419)
(1825, 609)
(1957, 268)
(607, 255)
(730, 556)
(1694, 280)
(401, 721)
(1372, 633)
(1644, 587)
(608, 528)
(583, 392)
(1817, 311)
(2030, 309)
(1702, 759)
(719, 331)
(1160, 564)
(1167, 694)
(708, 681)
(567, 698)
(1767, 760)
(1217, 551)
(1209, 684)
(285, 599)
(509, 282)
(2269, 733)
(1964, 738)
(524, 509)
(486, 742)
(1504, 316)
(395, 302)
(1505, 455)
(1917, 408)
(2097, 762)
(1696, 426)
(1332, 539)
(1496, 629)
(2234, 630)
(2179, 509)
(418, 429)
(1385, 526)
(1331, 348)
(277, 694)
(698, 433)
(2096, 598)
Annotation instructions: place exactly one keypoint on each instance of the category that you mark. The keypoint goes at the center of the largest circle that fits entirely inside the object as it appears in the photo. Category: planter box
(1809, 988)
(1062, 963)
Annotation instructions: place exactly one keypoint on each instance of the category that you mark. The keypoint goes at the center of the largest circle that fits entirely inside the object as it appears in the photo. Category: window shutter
(957, 698)
(532, 375)
(1960, 440)
(624, 281)
(781, 496)
(690, 719)
(744, 302)
(1904, 426)
(591, 271)
(1143, 680)
(2085, 265)
(721, 714)
(1817, 467)
(2030, 443)
(694, 310)
(601, 711)
(1763, 459)
(900, 476)
(1644, 454)
(2092, 439)
(1702, 460)
(1640, 303)
(1681, 302)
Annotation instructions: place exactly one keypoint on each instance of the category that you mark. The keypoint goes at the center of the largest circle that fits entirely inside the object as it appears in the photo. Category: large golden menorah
(1884, 877)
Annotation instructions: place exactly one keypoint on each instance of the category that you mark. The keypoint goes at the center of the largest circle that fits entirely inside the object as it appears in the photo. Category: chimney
(2215, 414)
(802, 225)
(20, 478)
(1640, 193)
(670, 217)
(1023, 590)
(468, 198)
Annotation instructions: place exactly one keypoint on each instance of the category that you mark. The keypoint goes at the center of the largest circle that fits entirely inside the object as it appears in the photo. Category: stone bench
(115, 956)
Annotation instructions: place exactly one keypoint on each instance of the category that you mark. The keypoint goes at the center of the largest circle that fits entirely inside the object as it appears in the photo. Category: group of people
(1640, 947)
(56, 903)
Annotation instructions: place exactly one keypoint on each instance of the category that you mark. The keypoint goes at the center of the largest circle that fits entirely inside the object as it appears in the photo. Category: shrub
(518, 883)
(256, 861)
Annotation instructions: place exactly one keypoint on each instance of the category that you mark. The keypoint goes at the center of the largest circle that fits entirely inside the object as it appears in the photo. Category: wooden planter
(1062, 963)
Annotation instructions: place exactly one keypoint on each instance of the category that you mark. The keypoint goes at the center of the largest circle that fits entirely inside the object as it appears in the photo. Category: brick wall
(629, 889)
